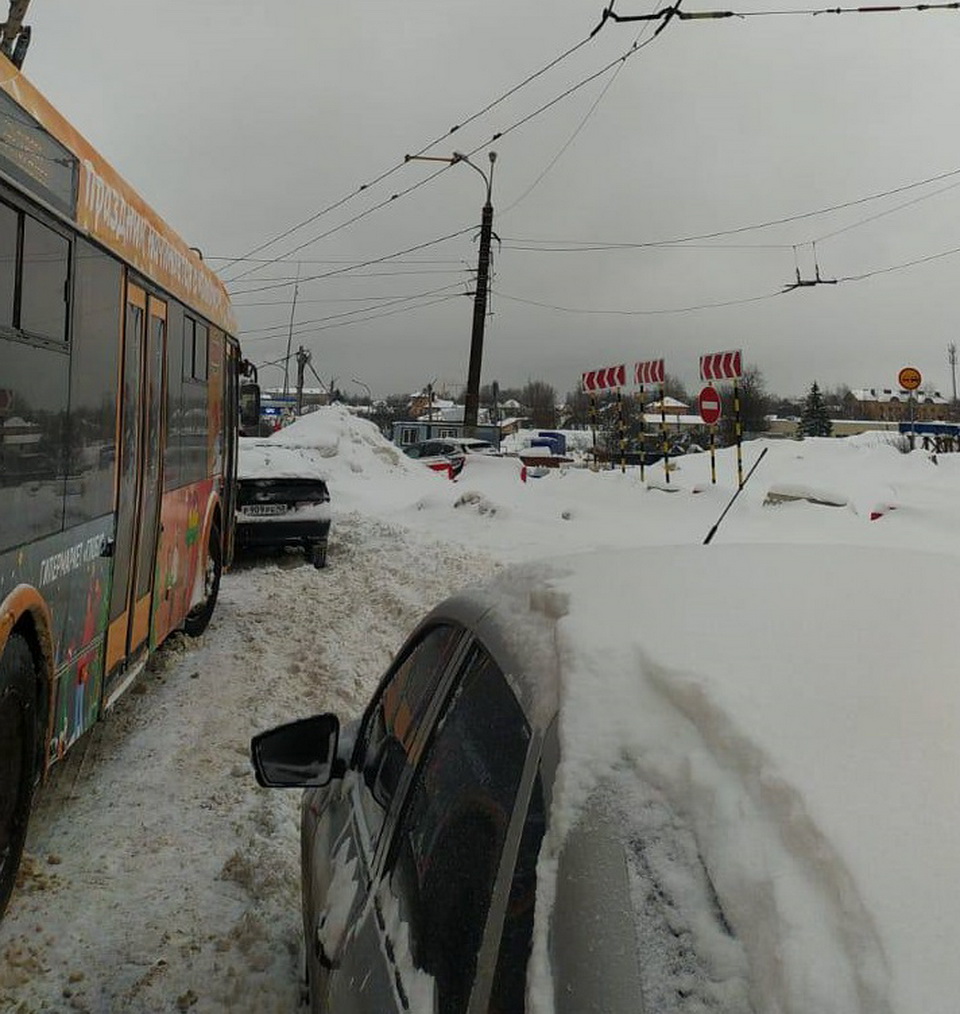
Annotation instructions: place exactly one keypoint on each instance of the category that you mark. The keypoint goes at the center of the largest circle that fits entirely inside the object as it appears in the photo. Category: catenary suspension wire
(363, 309)
(583, 122)
(359, 320)
(428, 179)
(364, 264)
(589, 246)
(389, 172)
(642, 313)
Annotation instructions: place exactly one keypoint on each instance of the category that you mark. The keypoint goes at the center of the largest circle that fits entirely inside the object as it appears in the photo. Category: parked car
(567, 800)
(440, 455)
(282, 500)
(474, 445)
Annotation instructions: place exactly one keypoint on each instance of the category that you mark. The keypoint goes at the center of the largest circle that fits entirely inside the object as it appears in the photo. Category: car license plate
(264, 509)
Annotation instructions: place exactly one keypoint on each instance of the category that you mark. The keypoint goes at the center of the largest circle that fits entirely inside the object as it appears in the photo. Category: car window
(446, 850)
(388, 735)
(510, 980)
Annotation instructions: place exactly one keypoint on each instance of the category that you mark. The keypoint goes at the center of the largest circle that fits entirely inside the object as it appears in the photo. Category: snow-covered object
(784, 714)
(269, 459)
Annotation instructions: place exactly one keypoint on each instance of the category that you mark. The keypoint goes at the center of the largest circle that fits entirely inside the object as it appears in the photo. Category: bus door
(139, 488)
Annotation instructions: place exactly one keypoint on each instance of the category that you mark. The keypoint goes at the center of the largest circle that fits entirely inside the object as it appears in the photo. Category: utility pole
(293, 310)
(471, 400)
(952, 360)
(303, 358)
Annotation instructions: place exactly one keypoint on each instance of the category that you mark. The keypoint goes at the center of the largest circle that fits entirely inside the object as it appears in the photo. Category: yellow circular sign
(909, 378)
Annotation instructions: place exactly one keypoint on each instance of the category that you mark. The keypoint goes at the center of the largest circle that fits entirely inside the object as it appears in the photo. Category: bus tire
(18, 757)
(199, 617)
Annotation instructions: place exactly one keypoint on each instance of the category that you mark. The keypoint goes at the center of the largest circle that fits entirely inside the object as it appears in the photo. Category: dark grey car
(423, 827)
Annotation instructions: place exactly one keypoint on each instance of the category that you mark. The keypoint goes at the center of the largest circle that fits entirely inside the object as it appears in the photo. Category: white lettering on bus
(72, 558)
(111, 212)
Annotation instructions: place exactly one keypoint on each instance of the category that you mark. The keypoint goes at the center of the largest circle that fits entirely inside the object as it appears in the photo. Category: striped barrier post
(663, 434)
(643, 450)
(593, 426)
(622, 426)
(738, 432)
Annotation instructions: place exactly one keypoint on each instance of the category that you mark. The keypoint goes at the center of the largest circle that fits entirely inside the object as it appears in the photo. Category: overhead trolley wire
(583, 122)
(399, 165)
(588, 246)
(359, 320)
(361, 264)
(641, 313)
(428, 179)
(386, 301)
(668, 13)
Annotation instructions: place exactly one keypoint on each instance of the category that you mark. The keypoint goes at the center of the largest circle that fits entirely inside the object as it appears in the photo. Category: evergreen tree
(814, 418)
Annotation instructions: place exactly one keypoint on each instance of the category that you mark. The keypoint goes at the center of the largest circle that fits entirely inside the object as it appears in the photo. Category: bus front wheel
(18, 751)
(198, 617)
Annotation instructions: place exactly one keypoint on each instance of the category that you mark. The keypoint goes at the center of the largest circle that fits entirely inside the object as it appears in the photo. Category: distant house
(669, 407)
(423, 401)
(893, 404)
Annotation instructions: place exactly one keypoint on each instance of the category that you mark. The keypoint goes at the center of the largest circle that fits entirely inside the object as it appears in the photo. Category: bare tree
(754, 404)
(540, 399)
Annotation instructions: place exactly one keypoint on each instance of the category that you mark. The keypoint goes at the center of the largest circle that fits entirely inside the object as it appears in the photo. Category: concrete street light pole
(471, 401)
(471, 406)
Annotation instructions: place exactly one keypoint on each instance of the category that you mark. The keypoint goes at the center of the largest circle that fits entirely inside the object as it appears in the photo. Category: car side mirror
(299, 754)
(249, 409)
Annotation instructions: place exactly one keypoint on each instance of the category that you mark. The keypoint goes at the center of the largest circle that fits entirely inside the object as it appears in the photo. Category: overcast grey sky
(238, 120)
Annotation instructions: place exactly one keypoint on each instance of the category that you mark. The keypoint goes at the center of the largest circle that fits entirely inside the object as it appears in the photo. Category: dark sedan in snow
(422, 830)
(282, 500)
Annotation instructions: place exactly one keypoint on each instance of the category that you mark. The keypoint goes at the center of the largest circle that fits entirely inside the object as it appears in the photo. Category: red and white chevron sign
(721, 366)
(650, 372)
(603, 380)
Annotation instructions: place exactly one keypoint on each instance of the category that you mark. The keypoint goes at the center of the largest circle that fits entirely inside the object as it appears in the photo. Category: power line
(348, 313)
(583, 122)
(640, 313)
(360, 320)
(343, 225)
(399, 165)
(668, 13)
(363, 264)
(591, 246)
(428, 179)
(900, 267)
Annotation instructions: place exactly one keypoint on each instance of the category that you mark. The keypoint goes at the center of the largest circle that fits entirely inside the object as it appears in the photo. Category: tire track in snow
(159, 877)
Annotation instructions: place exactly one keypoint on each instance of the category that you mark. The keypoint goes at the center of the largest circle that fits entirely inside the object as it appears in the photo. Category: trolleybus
(118, 422)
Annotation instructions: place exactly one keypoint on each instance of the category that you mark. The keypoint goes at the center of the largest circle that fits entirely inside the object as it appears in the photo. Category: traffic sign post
(728, 366)
(909, 379)
(711, 408)
(710, 405)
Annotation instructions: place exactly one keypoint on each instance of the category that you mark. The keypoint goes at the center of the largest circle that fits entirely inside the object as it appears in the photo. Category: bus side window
(9, 230)
(91, 435)
(43, 296)
(34, 384)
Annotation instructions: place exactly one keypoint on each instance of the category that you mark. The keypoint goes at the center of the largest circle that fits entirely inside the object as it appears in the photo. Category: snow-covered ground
(160, 878)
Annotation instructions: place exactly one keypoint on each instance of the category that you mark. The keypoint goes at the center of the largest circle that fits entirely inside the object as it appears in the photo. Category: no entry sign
(710, 406)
